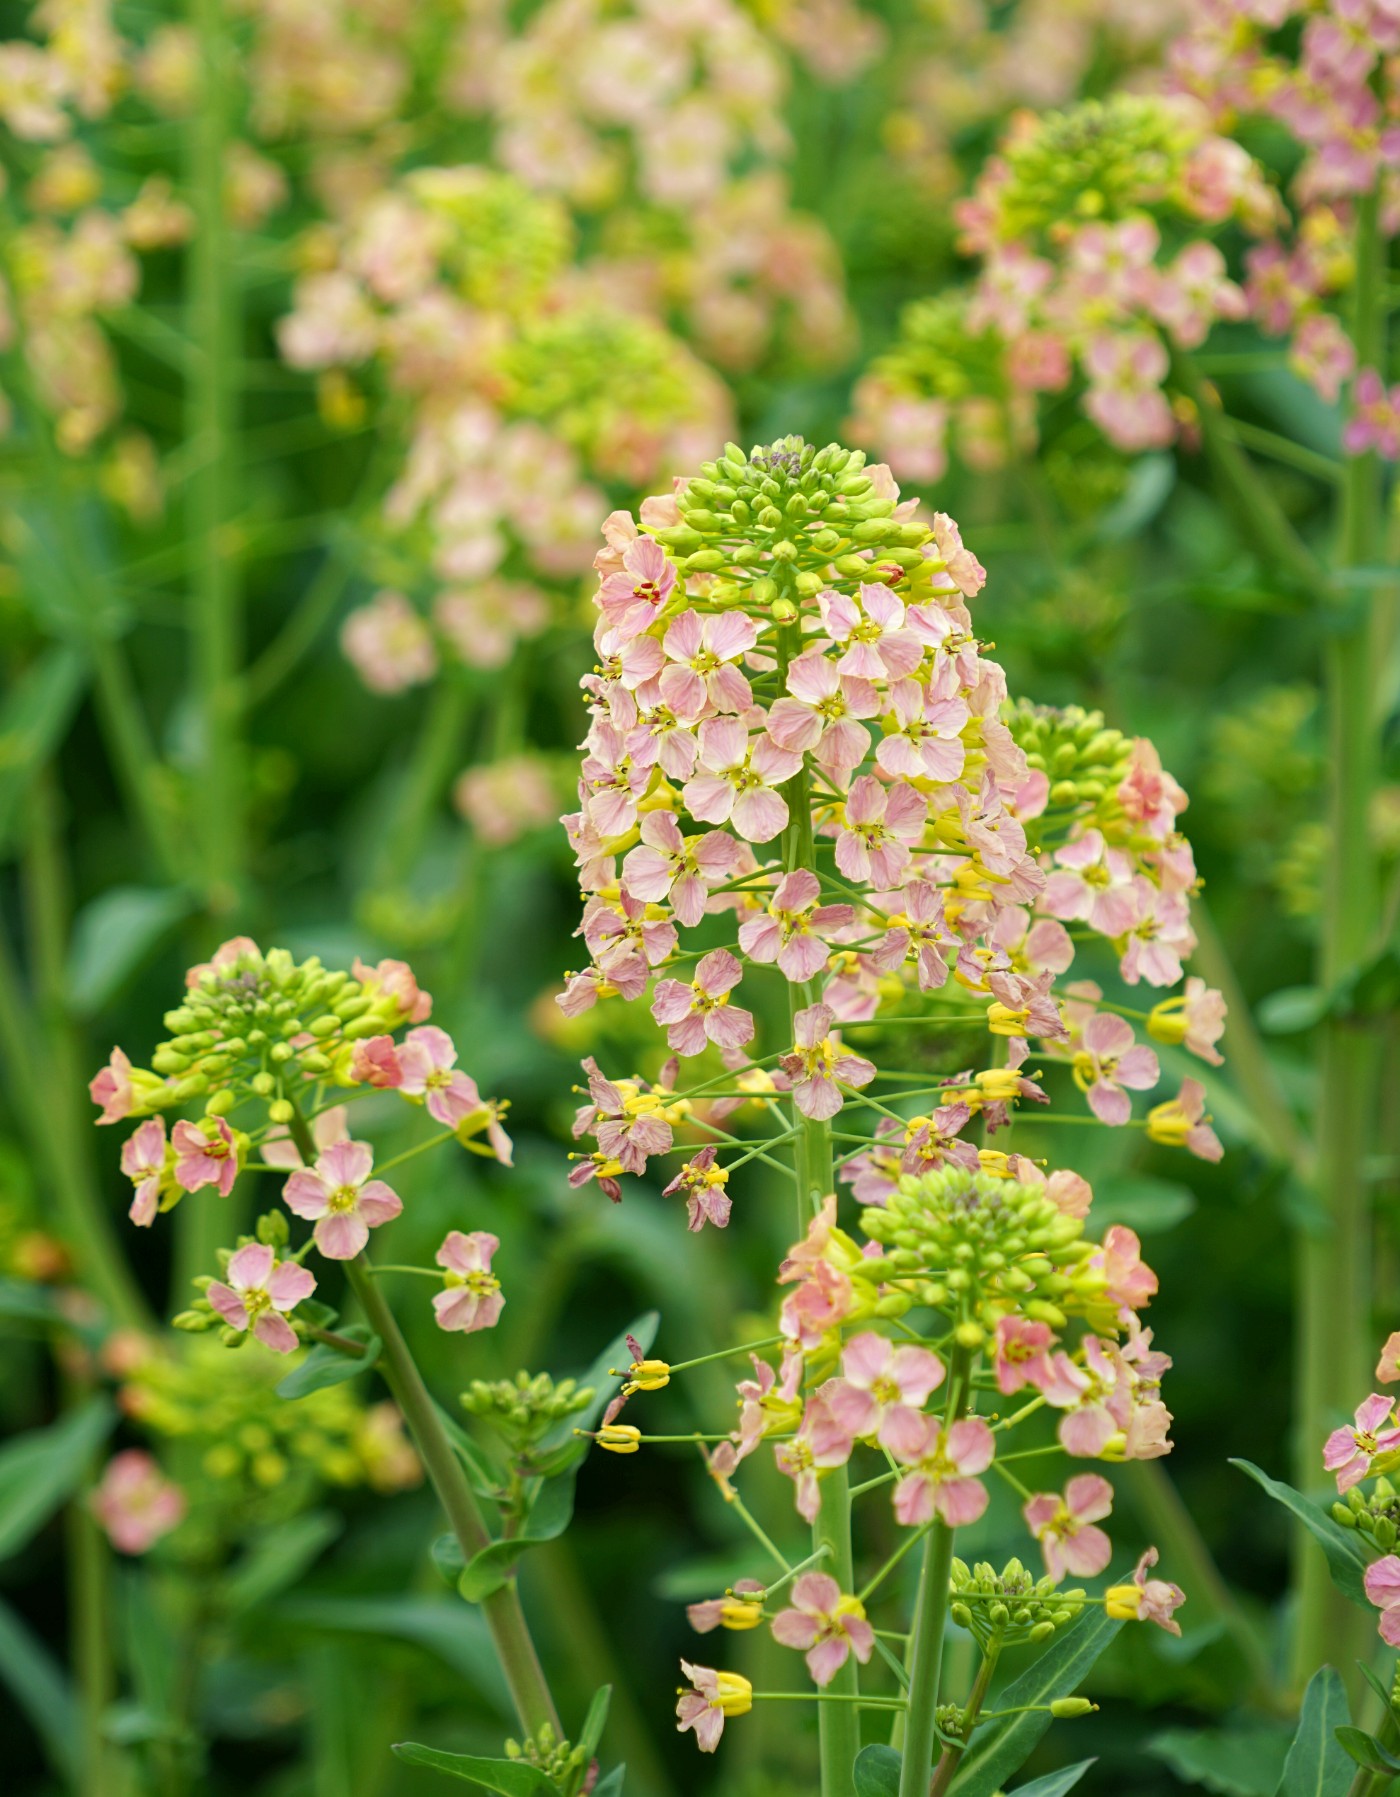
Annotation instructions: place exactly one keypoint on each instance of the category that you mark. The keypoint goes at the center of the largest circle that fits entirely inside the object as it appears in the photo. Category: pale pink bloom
(626, 979)
(1374, 423)
(667, 865)
(111, 1089)
(394, 981)
(825, 1623)
(699, 1012)
(1159, 1597)
(820, 1445)
(700, 652)
(822, 711)
(941, 1480)
(1195, 1018)
(375, 1062)
(389, 645)
(818, 1062)
(143, 1162)
(205, 1160)
(471, 1298)
(1064, 1527)
(1125, 399)
(1096, 1397)
(790, 931)
(260, 1290)
(615, 931)
(883, 1390)
(928, 741)
(879, 823)
(715, 1696)
(771, 1400)
(1382, 1582)
(1182, 1123)
(1109, 1061)
(612, 782)
(633, 597)
(340, 1196)
(1092, 884)
(922, 931)
(1349, 1452)
(1023, 1354)
(823, 1300)
(1160, 938)
(1192, 292)
(1322, 354)
(1148, 794)
(428, 1064)
(878, 647)
(135, 1502)
(738, 778)
(1388, 1367)
(960, 565)
(1131, 1283)
(625, 1118)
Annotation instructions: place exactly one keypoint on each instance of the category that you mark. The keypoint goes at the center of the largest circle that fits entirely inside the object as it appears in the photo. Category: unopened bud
(1065, 1709)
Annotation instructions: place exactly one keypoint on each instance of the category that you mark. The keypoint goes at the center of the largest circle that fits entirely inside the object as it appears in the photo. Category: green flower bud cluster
(1376, 1516)
(937, 354)
(1084, 759)
(1011, 1606)
(503, 244)
(781, 523)
(524, 1409)
(566, 1765)
(982, 1246)
(261, 1025)
(1103, 159)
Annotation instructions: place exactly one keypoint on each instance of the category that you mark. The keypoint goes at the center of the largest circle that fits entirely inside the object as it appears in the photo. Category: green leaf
(993, 1757)
(1346, 1560)
(326, 1365)
(278, 1558)
(513, 1778)
(561, 1448)
(458, 1636)
(1291, 1009)
(42, 1470)
(34, 720)
(611, 1785)
(1142, 1202)
(1055, 1784)
(1367, 1751)
(113, 936)
(876, 1772)
(1317, 1765)
(41, 1689)
(548, 1517)
(596, 1721)
(1381, 1689)
(1231, 1762)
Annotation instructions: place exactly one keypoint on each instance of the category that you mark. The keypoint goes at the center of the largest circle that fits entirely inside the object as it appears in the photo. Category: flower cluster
(1361, 1457)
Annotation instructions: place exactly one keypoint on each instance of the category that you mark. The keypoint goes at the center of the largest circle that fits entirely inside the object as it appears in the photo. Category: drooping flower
(701, 1012)
(471, 1297)
(1349, 1452)
(135, 1502)
(942, 1477)
(825, 1623)
(1130, 1282)
(260, 1291)
(1064, 1526)
(1195, 1018)
(1182, 1123)
(714, 1697)
(340, 1196)
(818, 1062)
(741, 1608)
(205, 1155)
(1146, 1600)
(703, 1183)
(123, 1090)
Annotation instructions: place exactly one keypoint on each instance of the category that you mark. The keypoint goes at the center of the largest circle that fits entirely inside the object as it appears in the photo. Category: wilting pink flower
(822, 711)
(205, 1159)
(1023, 1354)
(737, 780)
(135, 1502)
(879, 823)
(878, 645)
(706, 1200)
(260, 1290)
(962, 567)
(701, 1012)
(1092, 884)
(927, 743)
(394, 981)
(941, 1480)
(700, 653)
(1195, 1018)
(818, 1062)
(883, 1390)
(742, 1608)
(618, 930)
(1382, 1583)
(666, 865)
(1182, 1123)
(111, 1088)
(428, 1064)
(1158, 1598)
(389, 644)
(143, 1162)
(625, 1117)
(1107, 1062)
(1349, 1452)
(340, 1195)
(1131, 1282)
(827, 1624)
(472, 1297)
(1064, 1526)
(715, 1696)
(790, 931)
(920, 930)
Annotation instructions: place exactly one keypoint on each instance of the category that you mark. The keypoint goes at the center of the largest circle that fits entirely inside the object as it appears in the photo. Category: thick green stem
(212, 329)
(1334, 1348)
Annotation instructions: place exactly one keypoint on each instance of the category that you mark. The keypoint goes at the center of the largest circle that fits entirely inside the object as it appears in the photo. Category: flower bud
(619, 1438)
(1065, 1709)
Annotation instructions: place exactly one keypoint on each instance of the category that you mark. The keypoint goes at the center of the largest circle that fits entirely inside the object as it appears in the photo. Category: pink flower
(941, 1480)
(878, 825)
(1349, 1452)
(428, 1064)
(666, 865)
(389, 646)
(928, 741)
(375, 1062)
(1125, 399)
(1157, 1598)
(1195, 1018)
(884, 1390)
(634, 596)
(706, 1200)
(1322, 354)
(1182, 1123)
(393, 982)
(1092, 884)
(1107, 1062)
(617, 931)
(699, 1012)
(1096, 1397)
(700, 653)
(960, 565)
(1130, 1281)
(742, 1608)
(1148, 794)
(790, 931)
(1382, 1582)
(1388, 1367)
(825, 1622)
(920, 930)
(111, 1089)
(879, 647)
(715, 1696)
(205, 1156)
(1375, 420)
(1023, 1354)
(738, 778)
(613, 781)
(135, 1502)
(820, 1445)
(471, 1298)
(346, 1203)
(1064, 1527)
(818, 1061)
(1159, 938)
(260, 1290)
(822, 711)
(143, 1162)
(627, 1120)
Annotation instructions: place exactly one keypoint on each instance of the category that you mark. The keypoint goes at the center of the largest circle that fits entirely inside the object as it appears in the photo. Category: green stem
(435, 756)
(90, 1630)
(1373, 1784)
(951, 1756)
